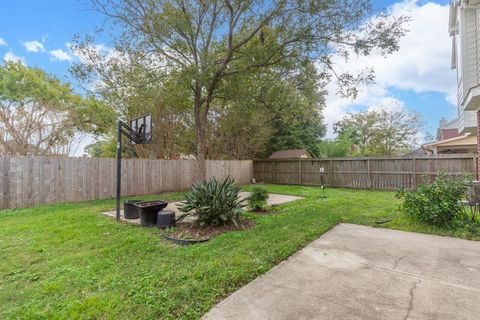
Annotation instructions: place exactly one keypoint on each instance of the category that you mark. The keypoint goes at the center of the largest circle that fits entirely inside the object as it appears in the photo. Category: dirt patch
(193, 231)
(263, 211)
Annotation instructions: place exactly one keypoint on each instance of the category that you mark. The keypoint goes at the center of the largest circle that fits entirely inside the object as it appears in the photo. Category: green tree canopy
(199, 44)
(381, 132)
(40, 115)
(339, 147)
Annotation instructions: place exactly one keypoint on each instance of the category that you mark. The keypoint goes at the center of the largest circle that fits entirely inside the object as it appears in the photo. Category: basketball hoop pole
(137, 134)
(119, 168)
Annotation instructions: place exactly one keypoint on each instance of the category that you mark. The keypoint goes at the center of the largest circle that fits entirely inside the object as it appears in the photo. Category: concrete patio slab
(358, 272)
(273, 199)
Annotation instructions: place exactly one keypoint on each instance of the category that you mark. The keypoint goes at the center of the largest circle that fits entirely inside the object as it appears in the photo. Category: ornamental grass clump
(257, 201)
(213, 203)
(436, 202)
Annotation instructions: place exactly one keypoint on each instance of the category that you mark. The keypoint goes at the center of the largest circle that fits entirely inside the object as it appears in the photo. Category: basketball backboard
(143, 127)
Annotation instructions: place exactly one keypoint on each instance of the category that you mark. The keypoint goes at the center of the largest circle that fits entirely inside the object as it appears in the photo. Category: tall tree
(40, 115)
(383, 131)
(398, 131)
(282, 109)
(359, 128)
(339, 147)
(204, 42)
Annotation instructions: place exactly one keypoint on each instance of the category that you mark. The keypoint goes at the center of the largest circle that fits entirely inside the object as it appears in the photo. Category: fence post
(475, 167)
(369, 173)
(331, 174)
(274, 171)
(299, 171)
(414, 172)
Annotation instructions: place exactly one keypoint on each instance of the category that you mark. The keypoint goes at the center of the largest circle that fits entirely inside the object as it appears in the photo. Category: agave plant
(213, 203)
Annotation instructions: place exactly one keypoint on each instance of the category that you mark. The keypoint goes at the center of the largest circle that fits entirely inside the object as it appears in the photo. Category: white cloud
(422, 64)
(60, 55)
(3, 42)
(10, 57)
(33, 46)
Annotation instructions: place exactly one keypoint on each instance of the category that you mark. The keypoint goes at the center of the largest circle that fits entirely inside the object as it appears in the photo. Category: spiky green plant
(213, 203)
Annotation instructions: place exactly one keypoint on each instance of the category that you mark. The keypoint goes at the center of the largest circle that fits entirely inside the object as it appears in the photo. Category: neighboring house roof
(291, 153)
(464, 143)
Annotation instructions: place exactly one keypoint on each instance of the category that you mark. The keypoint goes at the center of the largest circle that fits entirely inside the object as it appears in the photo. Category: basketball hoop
(139, 132)
(142, 126)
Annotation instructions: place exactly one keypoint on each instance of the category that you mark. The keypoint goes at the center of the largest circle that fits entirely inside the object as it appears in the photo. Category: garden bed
(196, 233)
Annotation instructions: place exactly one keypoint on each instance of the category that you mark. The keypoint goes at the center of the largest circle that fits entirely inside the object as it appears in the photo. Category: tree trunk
(200, 123)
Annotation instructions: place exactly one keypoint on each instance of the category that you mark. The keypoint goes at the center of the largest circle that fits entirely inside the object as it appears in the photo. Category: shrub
(258, 198)
(472, 197)
(436, 202)
(213, 203)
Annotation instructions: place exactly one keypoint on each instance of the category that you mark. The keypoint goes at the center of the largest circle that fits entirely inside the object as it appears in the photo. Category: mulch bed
(193, 231)
(267, 211)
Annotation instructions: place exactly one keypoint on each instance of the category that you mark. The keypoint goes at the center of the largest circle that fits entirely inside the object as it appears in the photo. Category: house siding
(470, 120)
(477, 44)
(470, 74)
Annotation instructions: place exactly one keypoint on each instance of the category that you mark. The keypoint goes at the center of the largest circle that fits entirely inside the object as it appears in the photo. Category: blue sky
(417, 78)
(53, 23)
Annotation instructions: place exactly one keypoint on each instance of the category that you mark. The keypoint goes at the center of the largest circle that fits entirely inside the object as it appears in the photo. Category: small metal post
(119, 168)
(322, 182)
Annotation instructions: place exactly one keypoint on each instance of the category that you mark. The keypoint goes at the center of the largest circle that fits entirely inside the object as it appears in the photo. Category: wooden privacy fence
(33, 181)
(364, 173)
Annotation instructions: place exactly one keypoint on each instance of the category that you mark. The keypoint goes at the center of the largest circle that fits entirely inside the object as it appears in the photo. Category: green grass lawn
(68, 261)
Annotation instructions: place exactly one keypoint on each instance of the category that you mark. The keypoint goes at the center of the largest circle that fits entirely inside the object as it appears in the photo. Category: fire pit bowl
(148, 211)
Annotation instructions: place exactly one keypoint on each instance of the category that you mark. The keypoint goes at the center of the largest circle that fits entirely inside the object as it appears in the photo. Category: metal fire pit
(148, 211)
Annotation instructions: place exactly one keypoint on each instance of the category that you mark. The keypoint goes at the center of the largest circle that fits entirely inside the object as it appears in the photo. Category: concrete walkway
(358, 272)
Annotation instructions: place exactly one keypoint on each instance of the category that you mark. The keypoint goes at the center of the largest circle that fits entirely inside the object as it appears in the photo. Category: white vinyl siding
(465, 27)
(477, 28)
(469, 64)
(461, 120)
(467, 120)
(459, 56)
(470, 119)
